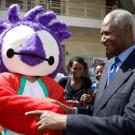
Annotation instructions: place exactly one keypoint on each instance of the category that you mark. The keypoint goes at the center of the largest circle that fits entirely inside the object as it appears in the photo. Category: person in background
(77, 84)
(97, 73)
(114, 107)
(60, 75)
(91, 69)
(98, 70)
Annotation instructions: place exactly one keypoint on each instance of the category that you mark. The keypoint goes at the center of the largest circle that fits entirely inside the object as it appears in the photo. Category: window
(54, 5)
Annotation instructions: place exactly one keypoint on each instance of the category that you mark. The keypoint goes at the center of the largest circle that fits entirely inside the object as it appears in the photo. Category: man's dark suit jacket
(114, 110)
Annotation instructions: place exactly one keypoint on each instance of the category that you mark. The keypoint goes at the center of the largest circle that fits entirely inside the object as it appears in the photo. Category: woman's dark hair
(101, 63)
(80, 60)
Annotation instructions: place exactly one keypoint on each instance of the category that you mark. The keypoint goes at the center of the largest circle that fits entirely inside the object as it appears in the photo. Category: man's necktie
(113, 68)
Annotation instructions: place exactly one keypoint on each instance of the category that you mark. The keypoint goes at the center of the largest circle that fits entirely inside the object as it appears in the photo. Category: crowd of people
(79, 88)
(81, 107)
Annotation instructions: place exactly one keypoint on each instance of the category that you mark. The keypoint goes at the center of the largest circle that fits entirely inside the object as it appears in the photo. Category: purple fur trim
(34, 26)
(2, 26)
(12, 14)
(62, 35)
(57, 26)
(47, 17)
(2, 67)
(31, 14)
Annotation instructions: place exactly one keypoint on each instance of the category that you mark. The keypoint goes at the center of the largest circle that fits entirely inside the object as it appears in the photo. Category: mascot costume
(30, 56)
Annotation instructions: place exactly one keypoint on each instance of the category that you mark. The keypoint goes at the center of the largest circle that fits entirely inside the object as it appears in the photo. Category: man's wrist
(72, 110)
(63, 122)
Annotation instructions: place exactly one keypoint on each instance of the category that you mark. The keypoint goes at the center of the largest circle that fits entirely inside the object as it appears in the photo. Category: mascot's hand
(67, 109)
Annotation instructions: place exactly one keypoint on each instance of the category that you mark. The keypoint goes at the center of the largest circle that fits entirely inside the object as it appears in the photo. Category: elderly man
(114, 109)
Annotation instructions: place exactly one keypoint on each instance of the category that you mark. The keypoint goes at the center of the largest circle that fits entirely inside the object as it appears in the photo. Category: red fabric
(13, 106)
(1, 128)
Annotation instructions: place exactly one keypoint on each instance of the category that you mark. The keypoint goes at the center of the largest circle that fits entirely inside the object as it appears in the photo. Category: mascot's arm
(13, 107)
(55, 91)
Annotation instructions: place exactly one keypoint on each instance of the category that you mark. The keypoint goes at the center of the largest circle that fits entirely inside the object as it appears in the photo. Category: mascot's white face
(29, 52)
(32, 45)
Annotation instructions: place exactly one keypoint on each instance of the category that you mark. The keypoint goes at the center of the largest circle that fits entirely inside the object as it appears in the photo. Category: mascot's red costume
(30, 56)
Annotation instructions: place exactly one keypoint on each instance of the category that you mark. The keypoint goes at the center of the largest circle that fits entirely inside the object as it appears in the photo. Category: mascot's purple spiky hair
(31, 46)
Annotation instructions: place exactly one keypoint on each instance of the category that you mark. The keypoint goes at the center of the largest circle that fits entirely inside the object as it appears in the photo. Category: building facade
(83, 17)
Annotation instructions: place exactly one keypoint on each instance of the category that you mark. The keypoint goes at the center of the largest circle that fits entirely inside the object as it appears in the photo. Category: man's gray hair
(121, 18)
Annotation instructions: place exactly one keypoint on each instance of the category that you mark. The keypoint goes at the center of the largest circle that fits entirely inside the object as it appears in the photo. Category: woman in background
(78, 83)
(97, 73)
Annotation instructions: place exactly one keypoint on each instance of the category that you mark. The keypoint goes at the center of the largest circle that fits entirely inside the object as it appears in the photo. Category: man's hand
(48, 120)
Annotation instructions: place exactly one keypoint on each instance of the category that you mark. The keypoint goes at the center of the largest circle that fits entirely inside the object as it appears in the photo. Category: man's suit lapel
(106, 93)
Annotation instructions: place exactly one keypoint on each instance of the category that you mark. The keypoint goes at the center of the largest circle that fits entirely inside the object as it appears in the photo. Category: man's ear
(128, 28)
